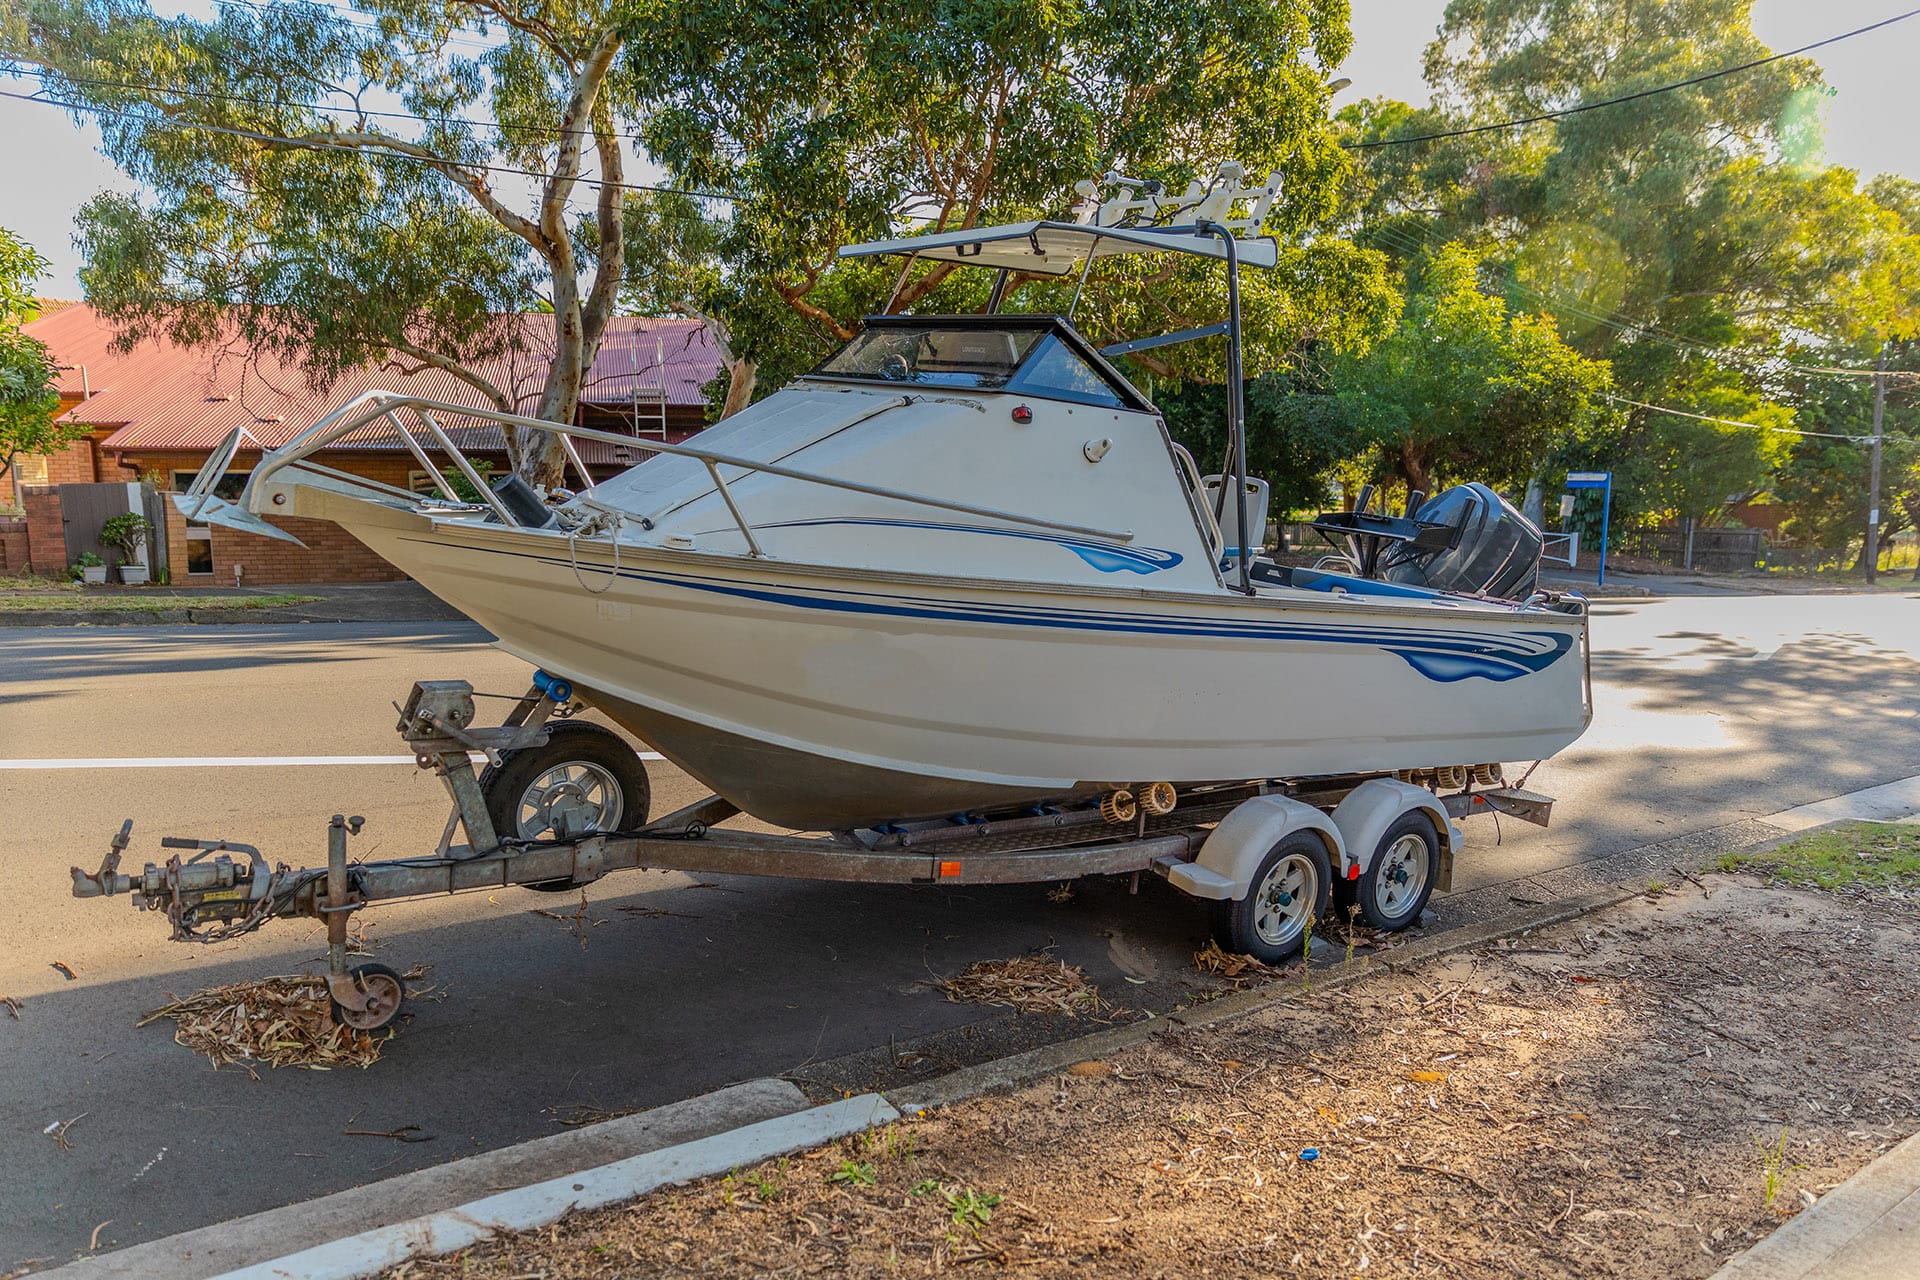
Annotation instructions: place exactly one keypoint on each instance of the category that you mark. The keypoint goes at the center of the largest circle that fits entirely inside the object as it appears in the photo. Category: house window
(199, 533)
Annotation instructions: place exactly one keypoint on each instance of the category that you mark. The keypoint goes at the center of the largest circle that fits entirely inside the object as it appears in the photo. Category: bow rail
(370, 408)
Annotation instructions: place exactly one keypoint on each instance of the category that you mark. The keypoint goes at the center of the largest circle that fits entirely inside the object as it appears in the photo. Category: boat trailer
(1239, 844)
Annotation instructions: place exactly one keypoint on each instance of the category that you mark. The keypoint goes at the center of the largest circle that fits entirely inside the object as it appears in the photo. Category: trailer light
(1022, 414)
(949, 870)
(1353, 872)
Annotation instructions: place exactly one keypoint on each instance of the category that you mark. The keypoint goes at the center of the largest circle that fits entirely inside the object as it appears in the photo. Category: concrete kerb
(535, 1206)
(258, 1237)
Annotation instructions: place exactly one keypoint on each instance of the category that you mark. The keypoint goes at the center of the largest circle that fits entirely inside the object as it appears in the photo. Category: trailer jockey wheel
(1393, 892)
(385, 992)
(1289, 892)
(584, 779)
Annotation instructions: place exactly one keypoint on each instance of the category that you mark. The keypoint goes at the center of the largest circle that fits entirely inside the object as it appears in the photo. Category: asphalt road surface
(1709, 710)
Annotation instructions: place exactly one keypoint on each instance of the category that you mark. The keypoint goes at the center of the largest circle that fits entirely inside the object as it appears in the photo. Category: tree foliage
(1464, 389)
(327, 185)
(1693, 239)
(836, 123)
(28, 398)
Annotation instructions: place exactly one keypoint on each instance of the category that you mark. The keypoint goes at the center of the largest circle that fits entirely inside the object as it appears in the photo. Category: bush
(127, 531)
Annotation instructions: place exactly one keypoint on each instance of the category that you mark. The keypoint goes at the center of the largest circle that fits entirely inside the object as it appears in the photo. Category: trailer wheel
(1290, 890)
(584, 779)
(1405, 865)
(386, 992)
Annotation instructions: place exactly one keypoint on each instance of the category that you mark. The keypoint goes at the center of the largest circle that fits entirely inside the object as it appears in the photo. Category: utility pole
(1873, 483)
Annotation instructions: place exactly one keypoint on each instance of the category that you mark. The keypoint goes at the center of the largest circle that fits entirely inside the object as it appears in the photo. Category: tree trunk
(743, 375)
(540, 457)
(1414, 468)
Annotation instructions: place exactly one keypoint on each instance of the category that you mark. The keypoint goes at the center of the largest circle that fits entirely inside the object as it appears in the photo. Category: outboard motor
(1494, 550)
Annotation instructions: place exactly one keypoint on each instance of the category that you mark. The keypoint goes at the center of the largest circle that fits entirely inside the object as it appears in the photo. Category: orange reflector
(949, 869)
(1353, 872)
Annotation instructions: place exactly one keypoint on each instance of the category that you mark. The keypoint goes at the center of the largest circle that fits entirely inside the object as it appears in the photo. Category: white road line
(1890, 802)
(218, 762)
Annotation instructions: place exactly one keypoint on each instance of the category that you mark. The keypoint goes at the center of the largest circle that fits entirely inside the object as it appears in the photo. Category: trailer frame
(1180, 834)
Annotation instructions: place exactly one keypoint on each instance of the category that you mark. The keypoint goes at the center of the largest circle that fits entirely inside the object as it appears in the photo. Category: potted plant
(128, 531)
(88, 568)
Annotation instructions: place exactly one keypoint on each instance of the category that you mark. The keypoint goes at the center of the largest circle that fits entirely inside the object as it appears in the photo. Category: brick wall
(46, 531)
(13, 548)
(331, 554)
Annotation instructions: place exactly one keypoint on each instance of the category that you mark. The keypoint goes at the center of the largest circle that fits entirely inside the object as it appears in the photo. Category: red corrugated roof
(163, 396)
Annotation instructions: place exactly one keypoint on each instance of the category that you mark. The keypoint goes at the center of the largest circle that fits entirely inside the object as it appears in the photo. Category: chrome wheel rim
(569, 800)
(1400, 875)
(1283, 903)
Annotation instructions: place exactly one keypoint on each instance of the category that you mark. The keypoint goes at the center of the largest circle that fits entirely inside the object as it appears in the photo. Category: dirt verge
(1641, 1092)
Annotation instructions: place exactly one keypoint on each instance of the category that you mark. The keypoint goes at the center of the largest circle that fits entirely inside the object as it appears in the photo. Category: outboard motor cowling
(1494, 551)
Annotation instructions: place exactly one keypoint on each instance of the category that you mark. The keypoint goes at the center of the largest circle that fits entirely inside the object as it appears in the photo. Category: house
(157, 412)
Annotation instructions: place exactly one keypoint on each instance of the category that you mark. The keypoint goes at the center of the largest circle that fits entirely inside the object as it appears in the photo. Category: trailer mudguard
(1377, 804)
(1226, 863)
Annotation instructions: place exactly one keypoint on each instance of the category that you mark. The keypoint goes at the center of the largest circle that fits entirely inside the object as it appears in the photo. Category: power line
(1729, 422)
(214, 95)
(1688, 83)
(315, 144)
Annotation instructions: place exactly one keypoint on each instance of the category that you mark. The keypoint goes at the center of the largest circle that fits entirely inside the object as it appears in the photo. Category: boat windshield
(981, 357)
(934, 355)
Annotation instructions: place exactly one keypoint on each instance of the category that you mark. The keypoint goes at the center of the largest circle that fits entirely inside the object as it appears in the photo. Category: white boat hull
(829, 698)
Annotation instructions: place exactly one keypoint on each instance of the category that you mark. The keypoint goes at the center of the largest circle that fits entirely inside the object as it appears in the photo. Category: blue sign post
(1603, 481)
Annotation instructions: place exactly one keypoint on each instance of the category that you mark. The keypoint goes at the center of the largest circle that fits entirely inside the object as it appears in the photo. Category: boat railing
(375, 408)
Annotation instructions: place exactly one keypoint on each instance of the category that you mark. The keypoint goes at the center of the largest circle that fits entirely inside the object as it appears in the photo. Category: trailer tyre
(1290, 890)
(1393, 892)
(584, 779)
(386, 993)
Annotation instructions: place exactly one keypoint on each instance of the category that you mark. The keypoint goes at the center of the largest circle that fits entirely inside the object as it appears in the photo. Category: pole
(1873, 484)
(1606, 514)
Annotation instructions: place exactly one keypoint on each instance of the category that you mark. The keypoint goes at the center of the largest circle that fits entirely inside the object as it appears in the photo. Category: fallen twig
(93, 1241)
(405, 1133)
(58, 1131)
(66, 969)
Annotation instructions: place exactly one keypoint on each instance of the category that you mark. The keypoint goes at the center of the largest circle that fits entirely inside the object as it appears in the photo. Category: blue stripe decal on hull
(1103, 556)
(1442, 656)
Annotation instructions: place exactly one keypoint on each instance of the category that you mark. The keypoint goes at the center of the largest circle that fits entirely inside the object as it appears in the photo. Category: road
(1710, 710)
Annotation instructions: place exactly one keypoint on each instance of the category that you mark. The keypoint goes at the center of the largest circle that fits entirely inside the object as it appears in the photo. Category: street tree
(28, 398)
(832, 123)
(1464, 389)
(349, 188)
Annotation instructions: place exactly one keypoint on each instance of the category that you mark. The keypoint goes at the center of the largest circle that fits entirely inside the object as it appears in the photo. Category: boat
(962, 567)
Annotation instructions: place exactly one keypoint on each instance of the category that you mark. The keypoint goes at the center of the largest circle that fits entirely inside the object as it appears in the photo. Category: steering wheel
(895, 368)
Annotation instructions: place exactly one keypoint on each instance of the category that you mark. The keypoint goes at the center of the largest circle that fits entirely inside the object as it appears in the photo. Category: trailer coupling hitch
(206, 897)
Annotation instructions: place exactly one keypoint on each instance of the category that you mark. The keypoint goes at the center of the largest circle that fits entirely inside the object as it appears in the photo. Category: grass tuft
(1857, 855)
(144, 602)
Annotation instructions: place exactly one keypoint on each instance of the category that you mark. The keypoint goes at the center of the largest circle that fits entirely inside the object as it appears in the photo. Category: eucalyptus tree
(836, 121)
(394, 183)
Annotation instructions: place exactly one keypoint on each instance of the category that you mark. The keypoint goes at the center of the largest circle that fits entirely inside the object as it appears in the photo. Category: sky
(49, 166)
